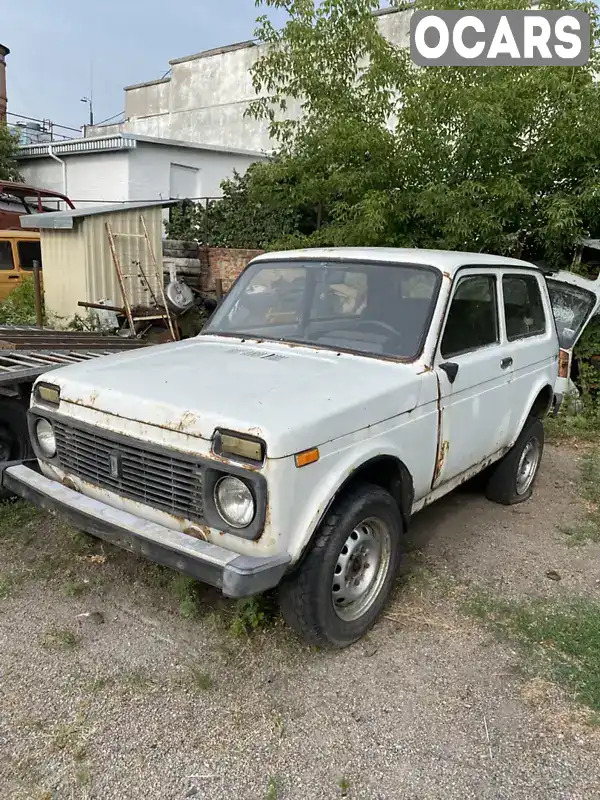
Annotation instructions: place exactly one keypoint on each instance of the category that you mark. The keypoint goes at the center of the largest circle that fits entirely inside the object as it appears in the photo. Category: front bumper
(235, 575)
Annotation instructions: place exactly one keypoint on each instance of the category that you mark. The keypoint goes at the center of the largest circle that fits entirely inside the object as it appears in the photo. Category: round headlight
(45, 437)
(234, 502)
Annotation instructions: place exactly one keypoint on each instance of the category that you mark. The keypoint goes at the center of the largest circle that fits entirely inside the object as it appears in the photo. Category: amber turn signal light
(307, 457)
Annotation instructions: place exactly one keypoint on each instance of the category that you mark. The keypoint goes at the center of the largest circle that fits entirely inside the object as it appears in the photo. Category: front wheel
(511, 480)
(14, 435)
(341, 587)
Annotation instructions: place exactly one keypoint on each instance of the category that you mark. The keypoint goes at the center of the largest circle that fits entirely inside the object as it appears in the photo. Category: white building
(205, 96)
(124, 167)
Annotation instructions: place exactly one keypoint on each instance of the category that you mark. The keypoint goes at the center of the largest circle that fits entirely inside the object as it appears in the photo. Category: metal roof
(445, 260)
(64, 219)
(118, 141)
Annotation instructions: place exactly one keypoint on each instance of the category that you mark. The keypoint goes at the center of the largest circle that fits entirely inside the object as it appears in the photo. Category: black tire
(502, 486)
(306, 597)
(14, 434)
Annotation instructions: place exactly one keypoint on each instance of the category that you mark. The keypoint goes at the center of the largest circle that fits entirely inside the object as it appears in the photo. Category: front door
(10, 275)
(474, 371)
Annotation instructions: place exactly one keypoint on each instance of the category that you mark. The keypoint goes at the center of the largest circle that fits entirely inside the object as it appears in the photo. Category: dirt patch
(142, 702)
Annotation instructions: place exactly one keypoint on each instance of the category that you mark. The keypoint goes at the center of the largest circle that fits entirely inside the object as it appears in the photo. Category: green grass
(562, 641)
(588, 530)
(75, 588)
(136, 680)
(573, 422)
(15, 514)
(7, 586)
(186, 591)
(577, 426)
(252, 614)
(200, 679)
(273, 788)
(60, 639)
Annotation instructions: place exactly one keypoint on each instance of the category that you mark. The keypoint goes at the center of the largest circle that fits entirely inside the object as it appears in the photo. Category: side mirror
(451, 370)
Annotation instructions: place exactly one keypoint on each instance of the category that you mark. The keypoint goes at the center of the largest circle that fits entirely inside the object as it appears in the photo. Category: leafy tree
(255, 210)
(372, 151)
(9, 143)
(481, 158)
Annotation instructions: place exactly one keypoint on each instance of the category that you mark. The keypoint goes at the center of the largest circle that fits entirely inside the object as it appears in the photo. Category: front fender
(410, 438)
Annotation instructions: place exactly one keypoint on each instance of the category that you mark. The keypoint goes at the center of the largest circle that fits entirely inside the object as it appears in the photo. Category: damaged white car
(333, 394)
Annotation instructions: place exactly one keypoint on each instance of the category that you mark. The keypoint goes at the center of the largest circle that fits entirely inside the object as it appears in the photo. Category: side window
(28, 253)
(473, 317)
(6, 257)
(523, 307)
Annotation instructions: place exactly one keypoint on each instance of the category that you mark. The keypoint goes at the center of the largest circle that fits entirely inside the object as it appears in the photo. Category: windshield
(571, 307)
(367, 308)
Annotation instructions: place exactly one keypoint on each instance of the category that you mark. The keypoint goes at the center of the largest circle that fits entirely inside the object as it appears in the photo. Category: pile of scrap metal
(187, 309)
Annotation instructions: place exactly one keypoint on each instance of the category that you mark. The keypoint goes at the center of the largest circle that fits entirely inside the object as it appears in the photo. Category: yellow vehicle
(18, 250)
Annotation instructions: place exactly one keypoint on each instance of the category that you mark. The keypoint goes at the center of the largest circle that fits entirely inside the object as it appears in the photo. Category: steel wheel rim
(528, 464)
(361, 569)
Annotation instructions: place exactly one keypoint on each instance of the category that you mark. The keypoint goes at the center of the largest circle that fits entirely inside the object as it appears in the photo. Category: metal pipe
(37, 287)
(102, 306)
(60, 161)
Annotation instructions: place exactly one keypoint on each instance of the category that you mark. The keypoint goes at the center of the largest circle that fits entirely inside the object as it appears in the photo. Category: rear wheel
(511, 480)
(344, 582)
(14, 434)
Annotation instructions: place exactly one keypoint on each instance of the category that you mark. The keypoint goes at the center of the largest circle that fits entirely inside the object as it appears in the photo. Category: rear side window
(6, 257)
(523, 307)
(473, 317)
(28, 253)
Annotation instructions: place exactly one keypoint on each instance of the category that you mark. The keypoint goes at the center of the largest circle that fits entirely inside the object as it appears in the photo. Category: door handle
(506, 363)
(14, 277)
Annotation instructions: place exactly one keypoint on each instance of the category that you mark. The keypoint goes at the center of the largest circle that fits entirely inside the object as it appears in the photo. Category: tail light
(564, 362)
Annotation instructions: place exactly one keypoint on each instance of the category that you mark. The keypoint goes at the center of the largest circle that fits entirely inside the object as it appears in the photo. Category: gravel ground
(149, 704)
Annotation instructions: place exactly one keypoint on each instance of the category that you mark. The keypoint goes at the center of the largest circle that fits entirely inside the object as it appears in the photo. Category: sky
(60, 47)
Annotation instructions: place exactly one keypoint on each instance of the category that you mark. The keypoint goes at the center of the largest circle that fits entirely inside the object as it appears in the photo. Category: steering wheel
(362, 322)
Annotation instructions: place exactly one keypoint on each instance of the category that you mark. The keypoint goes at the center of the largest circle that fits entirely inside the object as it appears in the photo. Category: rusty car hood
(293, 397)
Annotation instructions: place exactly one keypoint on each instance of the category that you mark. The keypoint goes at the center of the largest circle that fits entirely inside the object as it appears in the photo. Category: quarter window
(473, 317)
(523, 307)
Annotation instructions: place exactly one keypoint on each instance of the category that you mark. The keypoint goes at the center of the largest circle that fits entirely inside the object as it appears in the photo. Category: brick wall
(200, 266)
(225, 263)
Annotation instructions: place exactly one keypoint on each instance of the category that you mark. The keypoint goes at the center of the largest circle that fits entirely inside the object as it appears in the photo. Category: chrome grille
(160, 480)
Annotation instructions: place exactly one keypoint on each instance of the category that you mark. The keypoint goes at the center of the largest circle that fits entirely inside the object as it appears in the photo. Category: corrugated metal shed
(76, 256)
(65, 219)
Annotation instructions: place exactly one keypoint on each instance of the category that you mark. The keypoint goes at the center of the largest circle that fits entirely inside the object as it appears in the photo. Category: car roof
(18, 233)
(444, 260)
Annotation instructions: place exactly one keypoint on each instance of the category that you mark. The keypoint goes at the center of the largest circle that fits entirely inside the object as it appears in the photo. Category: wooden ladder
(144, 275)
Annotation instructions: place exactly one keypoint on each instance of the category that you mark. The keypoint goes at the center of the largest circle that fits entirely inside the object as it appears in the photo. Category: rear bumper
(235, 575)
(556, 404)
